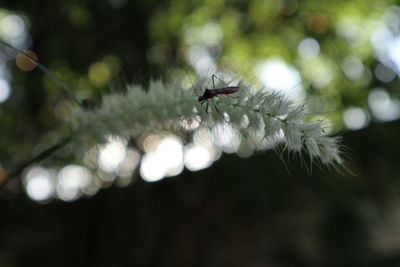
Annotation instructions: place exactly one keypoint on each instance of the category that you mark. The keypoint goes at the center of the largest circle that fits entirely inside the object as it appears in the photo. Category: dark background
(239, 212)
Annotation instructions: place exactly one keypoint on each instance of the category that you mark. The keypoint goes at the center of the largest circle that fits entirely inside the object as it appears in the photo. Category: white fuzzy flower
(171, 107)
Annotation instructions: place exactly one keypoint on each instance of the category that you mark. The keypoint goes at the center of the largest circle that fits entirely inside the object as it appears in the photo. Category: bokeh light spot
(38, 184)
(130, 163)
(353, 68)
(170, 151)
(384, 73)
(308, 48)
(78, 15)
(277, 75)
(150, 169)
(99, 74)
(75, 176)
(151, 142)
(5, 90)
(26, 61)
(209, 34)
(165, 160)
(317, 22)
(112, 154)
(321, 72)
(200, 58)
(382, 106)
(197, 157)
(12, 27)
(67, 193)
(355, 118)
(71, 180)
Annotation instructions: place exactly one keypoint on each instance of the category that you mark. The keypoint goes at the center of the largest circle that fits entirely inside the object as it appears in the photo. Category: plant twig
(41, 156)
(47, 71)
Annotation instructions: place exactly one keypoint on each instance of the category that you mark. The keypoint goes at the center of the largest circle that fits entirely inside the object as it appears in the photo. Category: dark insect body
(210, 93)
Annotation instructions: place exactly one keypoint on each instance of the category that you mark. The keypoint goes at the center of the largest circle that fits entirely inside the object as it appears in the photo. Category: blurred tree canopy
(343, 59)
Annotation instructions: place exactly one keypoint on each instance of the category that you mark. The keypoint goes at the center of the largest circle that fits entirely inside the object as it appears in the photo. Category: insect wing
(227, 90)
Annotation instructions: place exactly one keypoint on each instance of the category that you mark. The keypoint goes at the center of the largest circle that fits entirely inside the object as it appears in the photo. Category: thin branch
(45, 70)
(41, 156)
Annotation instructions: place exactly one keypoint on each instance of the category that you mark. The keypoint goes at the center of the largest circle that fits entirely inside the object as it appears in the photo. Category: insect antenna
(216, 77)
(191, 82)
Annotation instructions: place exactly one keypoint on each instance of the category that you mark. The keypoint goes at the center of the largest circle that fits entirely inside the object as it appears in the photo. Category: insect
(210, 93)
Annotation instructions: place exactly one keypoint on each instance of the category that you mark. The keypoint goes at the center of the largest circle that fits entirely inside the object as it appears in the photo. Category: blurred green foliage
(253, 31)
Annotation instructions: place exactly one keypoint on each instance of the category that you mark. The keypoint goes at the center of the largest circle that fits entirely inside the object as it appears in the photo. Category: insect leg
(216, 109)
(215, 76)
(232, 96)
(212, 77)
(205, 101)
